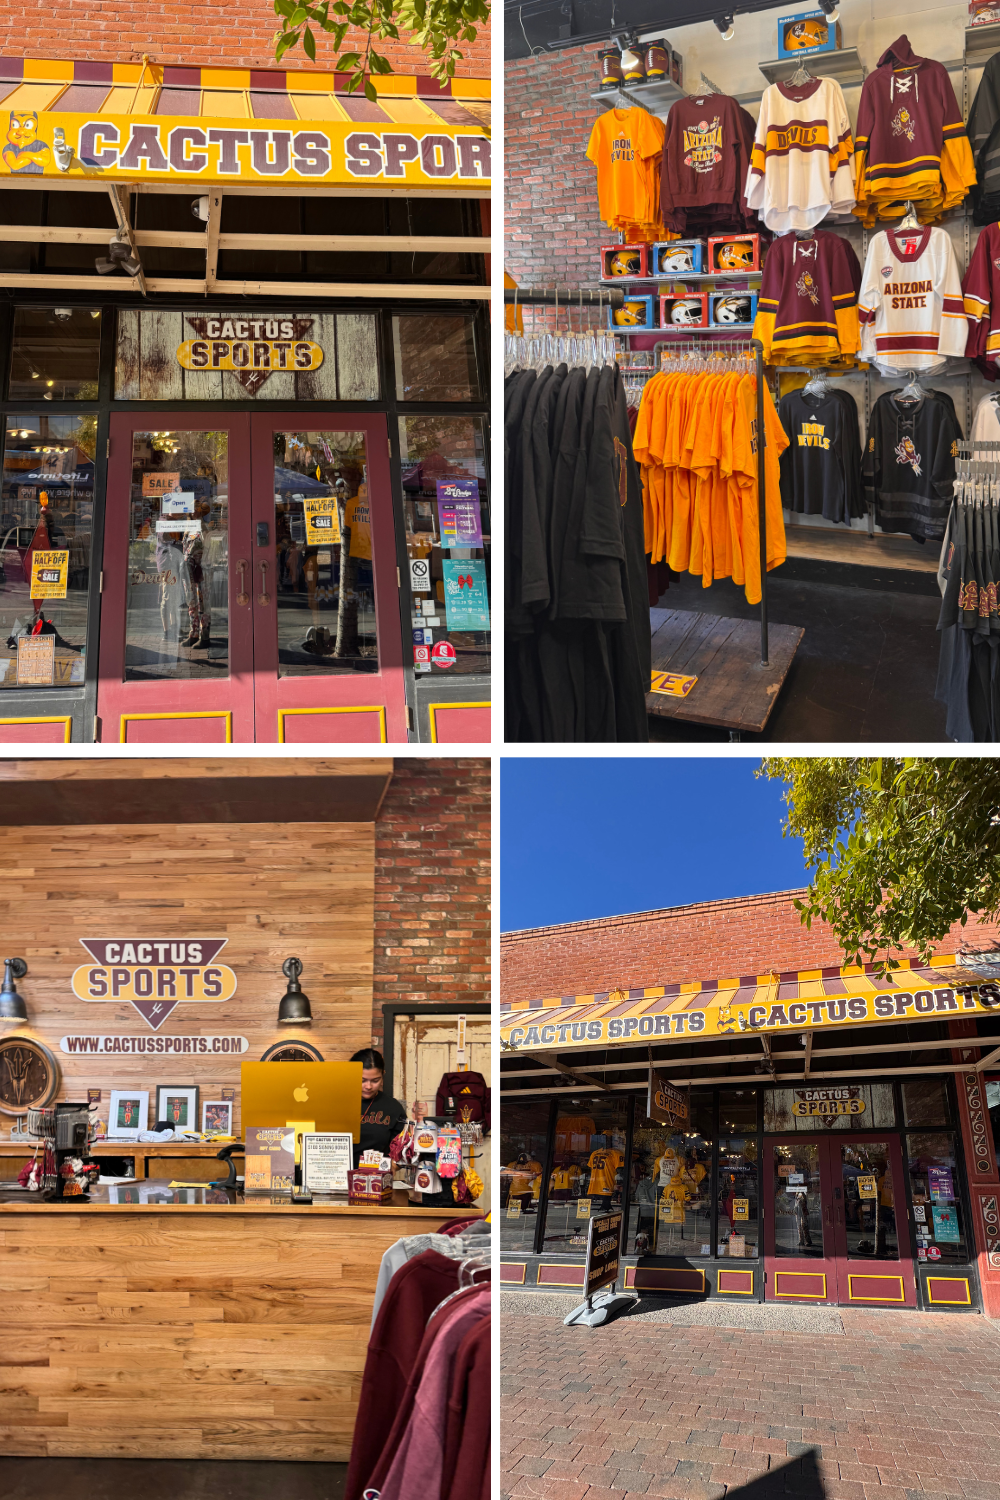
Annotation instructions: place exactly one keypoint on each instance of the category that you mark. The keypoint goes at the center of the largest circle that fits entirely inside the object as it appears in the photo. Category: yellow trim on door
(873, 1276)
(369, 708)
(728, 1291)
(62, 719)
(221, 713)
(432, 709)
(542, 1280)
(965, 1301)
(804, 1296)
(512, 1265)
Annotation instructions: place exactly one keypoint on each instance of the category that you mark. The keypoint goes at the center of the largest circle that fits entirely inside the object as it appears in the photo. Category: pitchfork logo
(154, 974)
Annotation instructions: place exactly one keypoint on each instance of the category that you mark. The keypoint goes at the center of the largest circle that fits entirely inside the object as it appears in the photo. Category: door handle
(243, 597)
(263, 597)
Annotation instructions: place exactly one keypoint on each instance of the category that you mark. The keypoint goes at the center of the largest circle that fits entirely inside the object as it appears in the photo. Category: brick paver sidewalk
(897, 1406)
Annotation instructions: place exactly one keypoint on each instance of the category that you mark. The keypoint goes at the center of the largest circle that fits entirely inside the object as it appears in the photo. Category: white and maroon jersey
(911, 310)
(802, 166)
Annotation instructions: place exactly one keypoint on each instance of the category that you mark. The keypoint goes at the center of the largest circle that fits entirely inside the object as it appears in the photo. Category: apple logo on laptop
(301, 1094)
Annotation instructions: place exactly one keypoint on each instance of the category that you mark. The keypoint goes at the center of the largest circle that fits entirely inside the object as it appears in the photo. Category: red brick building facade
(432, 887)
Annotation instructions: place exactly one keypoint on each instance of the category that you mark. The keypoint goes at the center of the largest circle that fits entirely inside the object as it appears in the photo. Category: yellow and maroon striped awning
(81, 122)
(802, 1000)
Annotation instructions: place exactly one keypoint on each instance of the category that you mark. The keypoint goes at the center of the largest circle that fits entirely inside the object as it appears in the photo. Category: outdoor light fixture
(12, 1007)
(63, 313)
(294, 1009)
(199, 207)
(119, 255)
(726, 27)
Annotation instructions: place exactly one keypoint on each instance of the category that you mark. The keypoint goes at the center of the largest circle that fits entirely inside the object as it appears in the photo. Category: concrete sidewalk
(704, 1401)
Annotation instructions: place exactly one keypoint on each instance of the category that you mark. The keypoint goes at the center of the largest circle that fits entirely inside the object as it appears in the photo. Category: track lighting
(726, 27)
(831, 9)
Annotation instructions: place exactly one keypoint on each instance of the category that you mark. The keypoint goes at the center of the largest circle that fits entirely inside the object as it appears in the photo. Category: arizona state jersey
(911, 310)
(909, 464)
(807, 311)
(981, 293)
(803, 156)
(603, 1166)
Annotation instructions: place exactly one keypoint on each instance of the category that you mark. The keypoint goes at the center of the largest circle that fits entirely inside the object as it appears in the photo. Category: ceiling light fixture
(726, 26)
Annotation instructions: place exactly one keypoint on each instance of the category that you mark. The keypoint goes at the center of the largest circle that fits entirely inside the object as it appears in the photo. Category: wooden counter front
(189, 1331)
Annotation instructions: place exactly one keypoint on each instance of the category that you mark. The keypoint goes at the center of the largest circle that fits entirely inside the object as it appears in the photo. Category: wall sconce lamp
(294, 1009)
(12, 1007)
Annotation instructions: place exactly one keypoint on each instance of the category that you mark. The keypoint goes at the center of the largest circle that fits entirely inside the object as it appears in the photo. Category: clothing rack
(563, 296)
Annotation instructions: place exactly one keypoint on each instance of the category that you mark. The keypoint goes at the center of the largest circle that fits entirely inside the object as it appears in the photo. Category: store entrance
(832, 1232)
(249, 587)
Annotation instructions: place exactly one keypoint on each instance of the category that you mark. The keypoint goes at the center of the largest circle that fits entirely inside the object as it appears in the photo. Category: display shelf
(844, 65)
(654, 96)
(729, 277)
(981, 41)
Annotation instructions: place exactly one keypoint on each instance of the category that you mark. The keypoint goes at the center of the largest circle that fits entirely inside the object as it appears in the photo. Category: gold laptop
(327, 1092)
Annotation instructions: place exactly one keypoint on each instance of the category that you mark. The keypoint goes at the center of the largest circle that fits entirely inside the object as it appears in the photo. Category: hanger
(818, 383)
(909, 219)
(912, 390)
(474, 1263)
(801, 75)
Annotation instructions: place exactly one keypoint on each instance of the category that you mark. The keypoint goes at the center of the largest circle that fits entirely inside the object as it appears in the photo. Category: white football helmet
(676, 260)
(686, 312)
(732, 310)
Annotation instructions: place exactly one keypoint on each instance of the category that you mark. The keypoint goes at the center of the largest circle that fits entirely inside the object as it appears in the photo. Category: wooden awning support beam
(119, 196)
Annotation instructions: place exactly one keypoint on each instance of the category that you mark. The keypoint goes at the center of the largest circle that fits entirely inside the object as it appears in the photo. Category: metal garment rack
(578, 297)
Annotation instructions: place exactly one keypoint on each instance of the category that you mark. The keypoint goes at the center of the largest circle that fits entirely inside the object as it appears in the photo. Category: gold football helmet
(625, 263)
(805, 34)
(735, 257)
(631, 315)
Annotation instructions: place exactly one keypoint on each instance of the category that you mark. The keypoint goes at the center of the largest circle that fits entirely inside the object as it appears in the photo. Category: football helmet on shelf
(625, 263)
(631, 315)
(686, 311)
(806, 34)
(676, 260)
(737, 256)
(732, 310)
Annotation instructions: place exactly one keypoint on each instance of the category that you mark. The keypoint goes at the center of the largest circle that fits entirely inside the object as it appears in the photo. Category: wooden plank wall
(146, 367)
(187, 1335)
(272, 889)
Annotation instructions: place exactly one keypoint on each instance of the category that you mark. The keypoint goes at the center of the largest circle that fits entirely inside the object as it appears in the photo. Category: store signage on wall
(74, 147)
(826, 1104)
(458, 513)
(466, 601)
(36, 660)
(250, 348)
(154, 974)
(155, 1046)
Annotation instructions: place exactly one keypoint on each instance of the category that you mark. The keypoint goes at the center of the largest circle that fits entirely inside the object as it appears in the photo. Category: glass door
(874, 1259)
(177, 661)
(799, 1243)
(325, 594)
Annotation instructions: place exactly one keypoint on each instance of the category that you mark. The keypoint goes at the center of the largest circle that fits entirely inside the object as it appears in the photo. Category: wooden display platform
(188, 1159)
(733, 690)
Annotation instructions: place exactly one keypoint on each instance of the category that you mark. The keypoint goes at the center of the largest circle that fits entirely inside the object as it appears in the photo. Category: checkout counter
(194, 1323)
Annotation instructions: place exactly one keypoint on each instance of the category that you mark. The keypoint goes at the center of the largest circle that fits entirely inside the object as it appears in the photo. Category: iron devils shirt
(821, 468)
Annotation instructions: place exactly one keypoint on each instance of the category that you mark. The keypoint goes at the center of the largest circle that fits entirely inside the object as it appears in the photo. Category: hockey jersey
(803, 156)
(984, 141)
(706, 161)
(807, 308)
(821, 467)
(911, 309)
(911, 142)
(909, 464)
(981, 295)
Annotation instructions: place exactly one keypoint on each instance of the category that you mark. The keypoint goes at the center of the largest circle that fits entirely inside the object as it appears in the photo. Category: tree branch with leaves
(435, 26)
(902, 849)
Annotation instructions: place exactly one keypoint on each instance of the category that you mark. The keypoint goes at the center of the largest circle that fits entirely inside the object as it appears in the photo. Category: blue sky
(593, 837)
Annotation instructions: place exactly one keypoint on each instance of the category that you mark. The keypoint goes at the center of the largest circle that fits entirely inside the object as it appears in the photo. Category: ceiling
(531, 26)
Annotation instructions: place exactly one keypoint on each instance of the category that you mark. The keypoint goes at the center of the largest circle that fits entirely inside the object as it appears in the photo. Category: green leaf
(284, 42)
(370, 91)
(299, 14)
(309, 44)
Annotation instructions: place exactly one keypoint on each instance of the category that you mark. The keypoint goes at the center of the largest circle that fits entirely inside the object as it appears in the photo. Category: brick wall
(204, 33)
(553, 232)
(432, 886)
(714, 939)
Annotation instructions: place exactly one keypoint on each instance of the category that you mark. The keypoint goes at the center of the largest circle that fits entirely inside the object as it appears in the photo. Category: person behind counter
(382, 1117)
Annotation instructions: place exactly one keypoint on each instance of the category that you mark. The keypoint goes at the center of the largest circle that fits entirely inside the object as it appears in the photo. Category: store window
(447, 517)
(869, 1200)
(46, 524)
(798, 1200)
(842, 1106)
(932, 1163)
(56, 353)
(588, 1168)
(926, 1102)
(671, 1210)
(322, 530)
(177, 620)
(524, 1131)
(738, 1233)
(435, 356)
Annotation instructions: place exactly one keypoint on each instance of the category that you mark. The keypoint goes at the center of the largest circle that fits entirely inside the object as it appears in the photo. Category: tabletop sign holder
(327, 1158)
(602, 1269)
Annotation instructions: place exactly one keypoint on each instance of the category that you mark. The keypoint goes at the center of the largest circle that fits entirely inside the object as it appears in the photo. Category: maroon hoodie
(907, 112)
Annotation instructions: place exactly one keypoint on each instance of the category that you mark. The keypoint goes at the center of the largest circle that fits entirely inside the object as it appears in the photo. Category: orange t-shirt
(622, 146)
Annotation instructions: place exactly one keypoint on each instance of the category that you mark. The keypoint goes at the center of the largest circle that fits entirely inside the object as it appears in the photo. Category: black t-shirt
(382, 1118)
